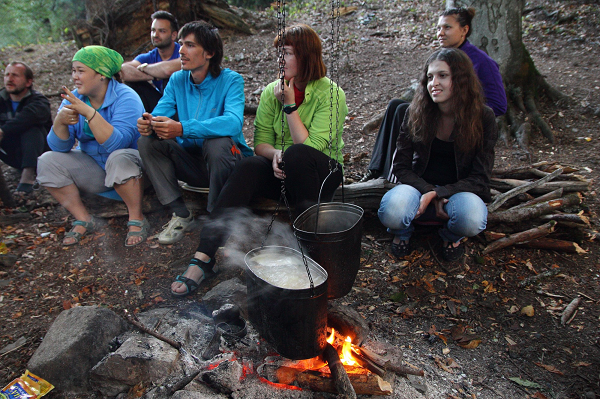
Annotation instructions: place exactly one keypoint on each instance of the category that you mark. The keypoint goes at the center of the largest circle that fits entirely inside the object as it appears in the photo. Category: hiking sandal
(88, 226)
(191, 285)
(144, 226)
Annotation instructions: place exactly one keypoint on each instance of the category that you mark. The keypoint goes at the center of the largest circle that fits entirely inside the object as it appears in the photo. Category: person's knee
(468, 215)
(399, 207)
(147, 144)
(121, 166)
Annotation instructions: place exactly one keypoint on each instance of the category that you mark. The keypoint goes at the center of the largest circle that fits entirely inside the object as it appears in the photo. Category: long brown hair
(308, 50)
(466, 101)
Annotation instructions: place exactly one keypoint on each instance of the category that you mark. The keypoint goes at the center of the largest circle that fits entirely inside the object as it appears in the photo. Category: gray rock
(77, 340)
(139, 359)
(230, 291)
(196, 395)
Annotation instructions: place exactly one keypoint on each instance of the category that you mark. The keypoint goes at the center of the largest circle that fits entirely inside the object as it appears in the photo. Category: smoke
(249, 231)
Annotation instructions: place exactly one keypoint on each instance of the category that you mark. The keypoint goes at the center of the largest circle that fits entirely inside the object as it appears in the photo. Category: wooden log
(521, 214)
(362, 384)
(554, 245)
(367, 363)
(521, 237)
(493, 235)
(568, 186)
(521, 189)
(341, 381)
(573, 218)
(507, 172)
(225, 18)
(347, 322)
(388, 364)
(546, 197)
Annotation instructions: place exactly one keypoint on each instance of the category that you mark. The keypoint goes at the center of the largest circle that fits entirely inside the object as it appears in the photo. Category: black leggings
(305, 167)
(385, 143)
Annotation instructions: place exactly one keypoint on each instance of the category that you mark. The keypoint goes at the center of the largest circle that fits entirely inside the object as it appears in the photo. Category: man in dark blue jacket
(25, 120)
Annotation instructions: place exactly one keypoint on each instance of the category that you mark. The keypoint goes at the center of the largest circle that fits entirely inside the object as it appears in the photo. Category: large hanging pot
(331, 233)
(282, 306)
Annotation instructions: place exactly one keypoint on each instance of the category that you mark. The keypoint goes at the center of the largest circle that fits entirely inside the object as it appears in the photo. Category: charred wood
(340, 377)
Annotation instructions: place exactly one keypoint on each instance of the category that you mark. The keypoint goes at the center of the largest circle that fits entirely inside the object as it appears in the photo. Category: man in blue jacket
(201, 148)
(25, 120)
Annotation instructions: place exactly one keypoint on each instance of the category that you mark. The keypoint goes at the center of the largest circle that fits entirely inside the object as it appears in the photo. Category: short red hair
(308, 50)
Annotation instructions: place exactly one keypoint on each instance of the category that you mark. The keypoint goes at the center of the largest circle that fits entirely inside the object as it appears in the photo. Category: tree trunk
(497, 30)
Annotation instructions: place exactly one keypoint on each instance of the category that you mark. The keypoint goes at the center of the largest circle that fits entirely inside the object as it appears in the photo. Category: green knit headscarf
(103, 60)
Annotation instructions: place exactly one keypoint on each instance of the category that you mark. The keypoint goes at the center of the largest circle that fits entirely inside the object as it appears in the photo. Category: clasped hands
(164, 127)
(439, 203)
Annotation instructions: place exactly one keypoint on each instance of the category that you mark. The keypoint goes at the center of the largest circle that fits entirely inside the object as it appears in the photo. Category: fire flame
(346, 355)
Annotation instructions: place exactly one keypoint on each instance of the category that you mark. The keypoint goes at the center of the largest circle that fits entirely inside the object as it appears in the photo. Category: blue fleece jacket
(213, 108)
(121, 108)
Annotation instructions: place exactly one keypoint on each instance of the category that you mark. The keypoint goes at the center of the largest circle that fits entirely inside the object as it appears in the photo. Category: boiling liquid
(284, 271)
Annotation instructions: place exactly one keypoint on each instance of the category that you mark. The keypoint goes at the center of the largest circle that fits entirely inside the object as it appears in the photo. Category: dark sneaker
(401, 249)
(451, 253)
(370, 175)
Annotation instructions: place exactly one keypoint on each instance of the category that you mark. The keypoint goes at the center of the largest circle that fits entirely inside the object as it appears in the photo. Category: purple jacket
(489, 75)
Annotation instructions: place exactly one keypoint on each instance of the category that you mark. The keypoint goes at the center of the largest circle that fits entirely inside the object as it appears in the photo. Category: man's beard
(16, 91)
(162, 45)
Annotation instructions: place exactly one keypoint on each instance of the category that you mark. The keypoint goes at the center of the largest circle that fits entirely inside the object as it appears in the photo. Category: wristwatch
(289, 109)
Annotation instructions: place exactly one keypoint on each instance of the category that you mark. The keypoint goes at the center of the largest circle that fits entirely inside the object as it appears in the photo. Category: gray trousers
(166, 162)
(59, 169)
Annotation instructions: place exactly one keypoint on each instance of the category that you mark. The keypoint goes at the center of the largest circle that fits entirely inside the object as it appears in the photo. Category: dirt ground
(412, 304)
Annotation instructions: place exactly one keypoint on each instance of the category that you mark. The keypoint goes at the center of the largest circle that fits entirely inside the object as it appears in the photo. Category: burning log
(347, 322)
(387, 364)
(362, 384)
(340, 377)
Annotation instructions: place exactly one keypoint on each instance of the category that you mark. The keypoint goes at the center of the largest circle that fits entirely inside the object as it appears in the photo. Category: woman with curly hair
(445, 155)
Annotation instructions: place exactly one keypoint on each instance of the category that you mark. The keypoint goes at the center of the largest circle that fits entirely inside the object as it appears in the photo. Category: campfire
(343, 368)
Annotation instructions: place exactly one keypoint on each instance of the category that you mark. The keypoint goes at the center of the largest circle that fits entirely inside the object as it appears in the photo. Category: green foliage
(37, 21)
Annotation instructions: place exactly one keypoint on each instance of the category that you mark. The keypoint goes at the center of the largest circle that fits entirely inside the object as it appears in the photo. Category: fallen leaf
(551, 369)
(581, 364)
(67, 305)
(525, 383)
(528, 311)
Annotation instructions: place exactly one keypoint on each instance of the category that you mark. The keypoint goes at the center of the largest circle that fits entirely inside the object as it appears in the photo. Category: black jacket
(473, 169)
(33, 110)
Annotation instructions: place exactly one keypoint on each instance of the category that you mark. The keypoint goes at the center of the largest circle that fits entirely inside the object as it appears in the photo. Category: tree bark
(497, 30)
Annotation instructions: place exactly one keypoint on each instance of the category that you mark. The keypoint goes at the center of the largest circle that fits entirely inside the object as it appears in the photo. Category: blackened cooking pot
(293, 321)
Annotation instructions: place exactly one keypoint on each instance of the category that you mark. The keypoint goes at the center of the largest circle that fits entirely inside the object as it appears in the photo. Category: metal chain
(281, 63)
(335, 70)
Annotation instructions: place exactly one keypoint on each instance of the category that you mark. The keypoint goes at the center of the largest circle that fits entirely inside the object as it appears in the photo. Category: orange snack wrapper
(27, 386)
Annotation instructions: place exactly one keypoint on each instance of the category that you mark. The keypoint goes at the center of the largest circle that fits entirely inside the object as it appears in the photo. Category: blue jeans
(467, 212)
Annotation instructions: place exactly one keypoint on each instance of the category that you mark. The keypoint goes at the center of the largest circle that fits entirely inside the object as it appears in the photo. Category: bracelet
(89, 120)
(289, 105)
